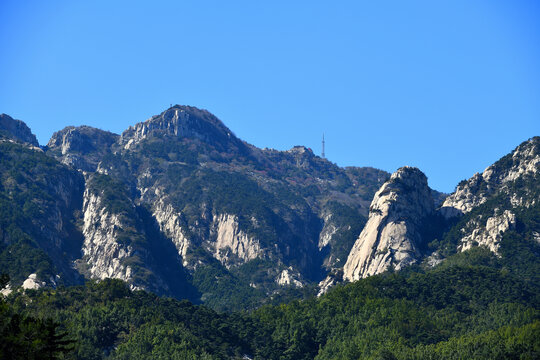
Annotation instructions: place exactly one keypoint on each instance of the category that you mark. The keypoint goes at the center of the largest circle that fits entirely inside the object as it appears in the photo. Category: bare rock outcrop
(232, 245)
(504, 180)
(170, 223)
(289, 277)
(17, 130)
(104, 254)
(524, 160)
(391, 237)
(81, 147)
(182, 122)
(490, 234)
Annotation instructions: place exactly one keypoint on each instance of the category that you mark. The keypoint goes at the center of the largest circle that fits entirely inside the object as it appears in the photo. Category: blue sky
(447, 86)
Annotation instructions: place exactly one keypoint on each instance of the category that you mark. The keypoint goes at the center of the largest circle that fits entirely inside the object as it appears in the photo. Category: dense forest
(472, 306)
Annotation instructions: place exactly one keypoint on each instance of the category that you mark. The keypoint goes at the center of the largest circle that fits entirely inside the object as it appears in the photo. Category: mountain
(502, 198)
(496, 208)
(95, 224)
(40, 202)
(178, 205)
(392, 238)
(81, 147)
(178, 201)
(16, 130)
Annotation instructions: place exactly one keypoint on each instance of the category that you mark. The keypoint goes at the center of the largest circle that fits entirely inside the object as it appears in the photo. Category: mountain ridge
(237, 225)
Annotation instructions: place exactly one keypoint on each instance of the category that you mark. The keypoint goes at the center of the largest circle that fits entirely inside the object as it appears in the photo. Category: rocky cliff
(105, 247)
(81, 147)
(523, 161)
(17, 130)
(183, 122)
(391, 237)
(490, 200)
(180, 206)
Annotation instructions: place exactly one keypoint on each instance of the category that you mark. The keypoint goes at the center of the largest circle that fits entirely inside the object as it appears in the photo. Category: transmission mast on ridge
(323, 155)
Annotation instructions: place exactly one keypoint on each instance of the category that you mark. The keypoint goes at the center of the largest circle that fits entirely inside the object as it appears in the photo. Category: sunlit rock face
(489, 235)
(509, 184)
(523, 161)
(81, 147)
(289, 277)
(104, 255)
(17, 130)
(232, 245)
(170, 223)
(391, 237)
(182, 122)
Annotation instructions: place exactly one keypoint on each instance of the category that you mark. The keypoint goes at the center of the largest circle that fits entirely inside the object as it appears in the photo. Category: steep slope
(17, 130)
(524, 161)
(179, 205)
(504, 198)
(121, 241)
(392, 235)
(498, 210)
(81, 147)
(40, 200)
(252, 217)
(184, 122)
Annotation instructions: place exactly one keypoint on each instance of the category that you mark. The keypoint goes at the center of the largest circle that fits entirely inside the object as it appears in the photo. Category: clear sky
(447, 86)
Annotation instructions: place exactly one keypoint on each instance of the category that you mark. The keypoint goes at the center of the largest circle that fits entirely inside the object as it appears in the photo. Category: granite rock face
(510, 183)
(81, 147)
(523, 161)
(232, 245)
(171, 224)
(104, 254)
(391, 237)
(182, 198)
(17, 130)
(490, 234)
(182, 122)
(289, 277)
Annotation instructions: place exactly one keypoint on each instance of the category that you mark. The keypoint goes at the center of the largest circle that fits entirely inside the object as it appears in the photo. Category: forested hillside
(472, 306)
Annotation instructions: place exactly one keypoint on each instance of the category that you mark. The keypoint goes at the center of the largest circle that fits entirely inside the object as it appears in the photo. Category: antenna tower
(323, 155)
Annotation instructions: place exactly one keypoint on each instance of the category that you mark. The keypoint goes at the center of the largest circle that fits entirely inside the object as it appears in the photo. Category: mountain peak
(17, 130)
(391, 237)
(81, 147)
(410, 176)
(182, 122)
(524, 160)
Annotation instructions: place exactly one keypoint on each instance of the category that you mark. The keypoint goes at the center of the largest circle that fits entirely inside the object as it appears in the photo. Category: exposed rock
(288, 277)
(7, 290)
(170, 223)
(491, 234)
(525, 159)
(303, 156)
(103, 254)
(391, 236)
(16, 129)
(536, 236)
(81, 147)
(329, 230)
(325, 285)
(433, 259)
(333, 278)
(232, 245)
(33, 283)
(467, 196)
(182, 122)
